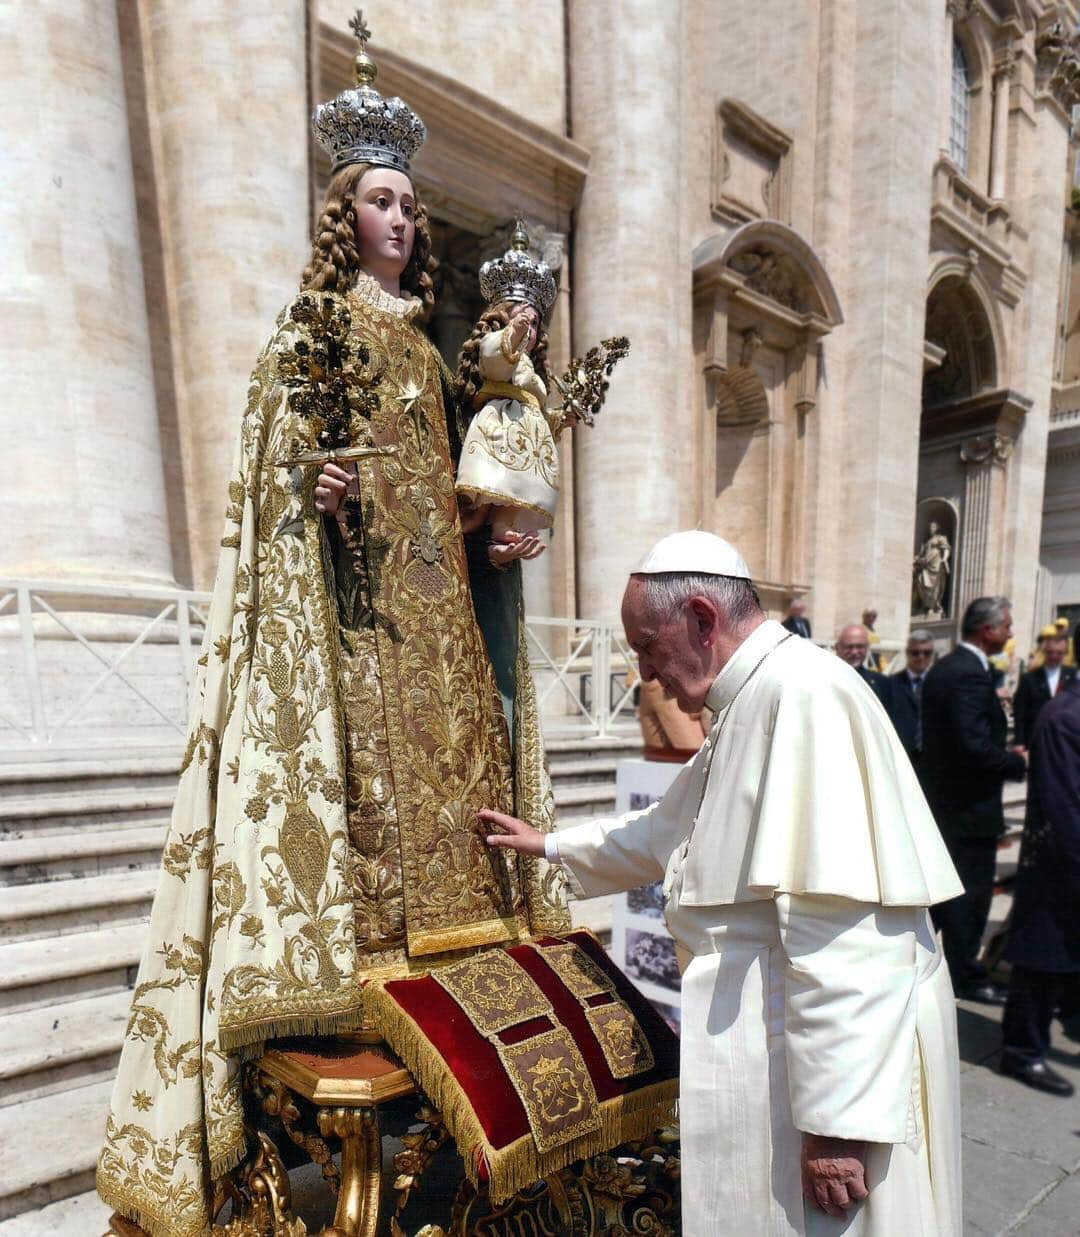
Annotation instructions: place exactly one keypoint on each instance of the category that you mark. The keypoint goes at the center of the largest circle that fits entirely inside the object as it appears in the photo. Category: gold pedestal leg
(357, 1212)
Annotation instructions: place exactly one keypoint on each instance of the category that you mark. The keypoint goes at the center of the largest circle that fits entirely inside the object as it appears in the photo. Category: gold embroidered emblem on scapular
(494, 991)
(622, 1040)
(549, 1075)
(578, 972)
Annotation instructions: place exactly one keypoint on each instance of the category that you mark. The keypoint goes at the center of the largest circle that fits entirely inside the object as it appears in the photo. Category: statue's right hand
(331, 486)
(516, 834)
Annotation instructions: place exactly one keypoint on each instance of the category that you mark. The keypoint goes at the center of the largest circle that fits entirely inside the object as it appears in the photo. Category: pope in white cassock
(819, 1086)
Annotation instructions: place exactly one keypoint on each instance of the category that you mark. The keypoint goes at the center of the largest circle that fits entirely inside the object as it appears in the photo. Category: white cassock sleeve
(616, 853)
(849, 1016)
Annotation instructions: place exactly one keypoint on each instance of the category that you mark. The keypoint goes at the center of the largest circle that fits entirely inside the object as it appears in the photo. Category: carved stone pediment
(776, 276)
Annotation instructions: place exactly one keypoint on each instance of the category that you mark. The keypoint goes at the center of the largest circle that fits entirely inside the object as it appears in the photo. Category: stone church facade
(837, 235)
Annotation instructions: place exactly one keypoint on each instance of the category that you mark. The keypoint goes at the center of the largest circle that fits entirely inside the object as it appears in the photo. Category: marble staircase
(80, 843)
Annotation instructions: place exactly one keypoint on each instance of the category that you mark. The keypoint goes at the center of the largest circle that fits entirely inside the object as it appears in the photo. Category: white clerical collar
(744, 661)
(974, 648)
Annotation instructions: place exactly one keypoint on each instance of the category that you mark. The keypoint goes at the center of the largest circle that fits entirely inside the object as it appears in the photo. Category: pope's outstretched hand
(516, 834)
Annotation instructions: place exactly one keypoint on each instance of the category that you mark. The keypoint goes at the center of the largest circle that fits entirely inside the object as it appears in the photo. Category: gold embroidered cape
(347, 726)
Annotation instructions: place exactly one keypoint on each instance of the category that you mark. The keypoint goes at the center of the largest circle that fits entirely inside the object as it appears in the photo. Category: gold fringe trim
(519, 1164)
(477, 495)
(225, 1161)
(155, 1223)
(255, 1031)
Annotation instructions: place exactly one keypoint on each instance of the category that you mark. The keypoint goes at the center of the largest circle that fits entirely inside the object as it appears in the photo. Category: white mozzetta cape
(798, 856)
(802, 787)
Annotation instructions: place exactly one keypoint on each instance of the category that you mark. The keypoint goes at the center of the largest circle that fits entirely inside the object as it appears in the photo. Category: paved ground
(1021, 1151)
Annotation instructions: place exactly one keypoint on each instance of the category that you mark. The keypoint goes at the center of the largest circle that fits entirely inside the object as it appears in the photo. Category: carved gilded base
(634, 1189)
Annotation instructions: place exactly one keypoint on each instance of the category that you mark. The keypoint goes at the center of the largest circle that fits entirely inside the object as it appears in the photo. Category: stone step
(40, 856)
(583, 772)
(558, 747)
(43, 1051)
(595, 798)
(63, 907)
(106, 808)
(49, 1147)
(158, 767)
(55, 970)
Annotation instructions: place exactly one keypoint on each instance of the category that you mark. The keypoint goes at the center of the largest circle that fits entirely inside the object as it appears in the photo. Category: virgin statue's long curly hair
(335, 258)
(468, 380)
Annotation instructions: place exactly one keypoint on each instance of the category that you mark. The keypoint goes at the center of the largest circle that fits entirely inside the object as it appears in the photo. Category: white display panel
(640, 942)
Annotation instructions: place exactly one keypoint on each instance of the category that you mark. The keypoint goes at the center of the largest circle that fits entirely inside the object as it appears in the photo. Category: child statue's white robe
(799, 857)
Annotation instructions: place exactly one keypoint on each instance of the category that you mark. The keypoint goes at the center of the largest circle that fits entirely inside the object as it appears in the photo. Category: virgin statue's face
(385, 209)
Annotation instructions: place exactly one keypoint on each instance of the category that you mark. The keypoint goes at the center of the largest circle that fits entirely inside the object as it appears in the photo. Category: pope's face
(385, 222)
(677, 652)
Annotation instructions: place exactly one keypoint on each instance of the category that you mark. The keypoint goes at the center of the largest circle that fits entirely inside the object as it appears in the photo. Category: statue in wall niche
(931, 571)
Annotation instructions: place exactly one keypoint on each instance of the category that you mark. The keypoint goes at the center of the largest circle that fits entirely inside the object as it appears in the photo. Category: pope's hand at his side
(516, 834)
(833, 1173)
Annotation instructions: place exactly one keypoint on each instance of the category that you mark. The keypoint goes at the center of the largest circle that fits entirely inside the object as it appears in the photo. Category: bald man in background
(853, 646)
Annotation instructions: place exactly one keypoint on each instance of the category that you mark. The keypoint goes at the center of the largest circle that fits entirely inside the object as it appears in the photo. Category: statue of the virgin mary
(348, 723)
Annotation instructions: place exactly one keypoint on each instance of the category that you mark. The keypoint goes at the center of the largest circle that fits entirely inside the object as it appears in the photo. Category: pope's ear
(706, 618)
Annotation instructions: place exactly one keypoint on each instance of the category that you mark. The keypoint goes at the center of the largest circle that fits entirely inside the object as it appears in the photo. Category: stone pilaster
(229, 107)
(985, 460)
(81, 483)
(631, 276)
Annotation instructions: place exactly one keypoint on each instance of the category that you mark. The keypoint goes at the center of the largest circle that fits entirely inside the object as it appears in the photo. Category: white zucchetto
(694, 551)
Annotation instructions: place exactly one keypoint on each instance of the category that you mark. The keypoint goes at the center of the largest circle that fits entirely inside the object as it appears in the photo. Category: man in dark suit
(796, 620)
(1044, 934)
(853, 646)
(1038, 687)
(904, 702)
(964, 765)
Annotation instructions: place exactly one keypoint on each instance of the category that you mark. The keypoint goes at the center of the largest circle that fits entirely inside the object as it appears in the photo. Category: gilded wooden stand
(321, 1099)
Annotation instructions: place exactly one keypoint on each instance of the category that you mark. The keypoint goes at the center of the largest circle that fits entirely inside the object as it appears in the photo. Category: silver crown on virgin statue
(517, 276)
(360, 126)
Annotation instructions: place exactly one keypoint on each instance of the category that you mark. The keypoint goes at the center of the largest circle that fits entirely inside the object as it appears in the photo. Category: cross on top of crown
(360, 28)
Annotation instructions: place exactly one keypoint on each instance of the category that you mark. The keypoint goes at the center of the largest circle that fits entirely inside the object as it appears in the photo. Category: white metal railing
(64, 647)
(585, 675)
(108, 625)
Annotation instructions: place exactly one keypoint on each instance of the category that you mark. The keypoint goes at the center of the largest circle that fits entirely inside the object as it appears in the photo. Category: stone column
(999, 150)
(81, 485)
(985, 458)
(229, 115)
(893, 158)
(632, 277)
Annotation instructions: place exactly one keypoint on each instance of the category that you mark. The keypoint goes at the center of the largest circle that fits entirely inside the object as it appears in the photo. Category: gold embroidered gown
(347, 727)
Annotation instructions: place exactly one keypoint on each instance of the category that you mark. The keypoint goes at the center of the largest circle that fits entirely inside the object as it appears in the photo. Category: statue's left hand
(511, 545)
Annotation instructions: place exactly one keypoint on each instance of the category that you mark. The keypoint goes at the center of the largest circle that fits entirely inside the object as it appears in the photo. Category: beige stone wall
(511, 52)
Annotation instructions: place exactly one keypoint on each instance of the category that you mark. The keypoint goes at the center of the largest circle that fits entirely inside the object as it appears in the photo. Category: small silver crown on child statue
(517, 276)
(360, 125)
